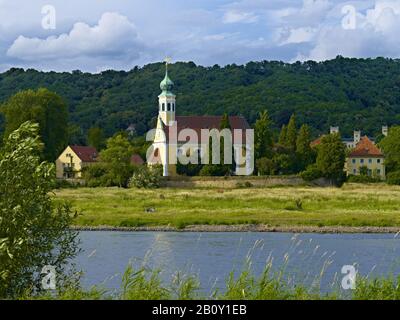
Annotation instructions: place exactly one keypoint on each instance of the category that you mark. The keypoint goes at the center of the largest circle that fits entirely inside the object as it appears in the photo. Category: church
(172, 135)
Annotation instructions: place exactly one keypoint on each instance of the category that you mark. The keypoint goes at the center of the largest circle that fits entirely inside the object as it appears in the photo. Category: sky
(97, 35)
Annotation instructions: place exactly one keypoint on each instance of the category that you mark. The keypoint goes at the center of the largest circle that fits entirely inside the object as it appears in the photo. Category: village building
(366, 156)
(73, 159)
(167, 146)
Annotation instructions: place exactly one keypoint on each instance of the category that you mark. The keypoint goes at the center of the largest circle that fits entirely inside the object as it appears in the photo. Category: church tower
(167, 99)
(164, 149)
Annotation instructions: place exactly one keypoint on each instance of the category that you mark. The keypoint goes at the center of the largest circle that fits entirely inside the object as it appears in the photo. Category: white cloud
(298, 35)
(375, 34)
(113, 36)
(235, 16)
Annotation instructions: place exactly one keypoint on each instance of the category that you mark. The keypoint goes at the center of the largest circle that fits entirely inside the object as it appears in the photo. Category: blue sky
(95, 35)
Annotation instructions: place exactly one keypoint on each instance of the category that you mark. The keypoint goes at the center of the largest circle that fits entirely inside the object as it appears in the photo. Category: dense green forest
(351, 93)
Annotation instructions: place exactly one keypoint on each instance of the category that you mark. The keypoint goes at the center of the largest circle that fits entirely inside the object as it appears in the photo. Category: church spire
(167, 85)
(167, 98)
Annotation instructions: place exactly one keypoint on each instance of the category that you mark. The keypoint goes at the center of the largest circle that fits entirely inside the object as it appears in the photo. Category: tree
(263, 136)
(291, 134)
(117, 156)
(225, 122)
(45, 108)
(220, 169)
(331, 158)
(304, 151)
(96, 138)
(34, 231)
(282, 136)
(391, 148)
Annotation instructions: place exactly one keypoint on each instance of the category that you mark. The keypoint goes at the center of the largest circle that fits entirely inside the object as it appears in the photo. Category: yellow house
(73, 159)
(366, 155)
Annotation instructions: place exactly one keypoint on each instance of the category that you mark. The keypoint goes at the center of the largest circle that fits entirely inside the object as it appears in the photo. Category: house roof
(137, 160)
(86, 154)
(197, 123)
(366, 148)
(316, 142)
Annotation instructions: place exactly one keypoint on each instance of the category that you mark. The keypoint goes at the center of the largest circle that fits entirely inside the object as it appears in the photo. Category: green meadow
(355, 205)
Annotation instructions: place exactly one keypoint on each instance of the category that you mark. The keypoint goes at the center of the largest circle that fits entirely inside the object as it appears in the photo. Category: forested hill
(350, 93)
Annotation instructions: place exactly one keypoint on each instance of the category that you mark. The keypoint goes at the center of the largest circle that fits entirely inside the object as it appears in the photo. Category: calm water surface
(212, 256)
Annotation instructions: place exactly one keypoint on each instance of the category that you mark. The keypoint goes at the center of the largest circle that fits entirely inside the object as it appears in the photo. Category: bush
(34, 231)
(102, 175)
(265, 166)
(312, 173)
(215, 170)
(362, 179)
(146, 177)
(393, 178)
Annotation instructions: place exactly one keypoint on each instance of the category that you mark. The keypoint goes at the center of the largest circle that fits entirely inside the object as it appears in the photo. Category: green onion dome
(166, 85)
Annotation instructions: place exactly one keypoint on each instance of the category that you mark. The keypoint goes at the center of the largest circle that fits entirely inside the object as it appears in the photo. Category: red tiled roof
(86, 154)
(137, 160)
(197, 123)
(366, 148)
(316, 142)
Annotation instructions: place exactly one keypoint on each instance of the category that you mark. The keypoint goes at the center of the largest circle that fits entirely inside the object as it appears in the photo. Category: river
(212, 256)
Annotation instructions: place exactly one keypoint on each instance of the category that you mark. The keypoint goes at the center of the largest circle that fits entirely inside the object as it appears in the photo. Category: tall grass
(146, 284)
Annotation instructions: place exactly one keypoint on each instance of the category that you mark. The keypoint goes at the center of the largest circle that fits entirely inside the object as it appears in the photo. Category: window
(355, 171)
(369, 160)
(378, 171)
(361, 160)
(378, 160)
(173, 107)
(169, 106)
(354, 161)
(163, 107)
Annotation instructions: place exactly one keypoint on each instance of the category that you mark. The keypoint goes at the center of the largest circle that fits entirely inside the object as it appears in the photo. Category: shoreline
(245, 228)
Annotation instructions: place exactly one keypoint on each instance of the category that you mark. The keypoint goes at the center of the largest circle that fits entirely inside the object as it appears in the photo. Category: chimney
(385, 130)
(334, 130)
(357, 137)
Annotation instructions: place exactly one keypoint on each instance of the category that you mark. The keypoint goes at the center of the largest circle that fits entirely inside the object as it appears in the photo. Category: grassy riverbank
(144, 284)
(353, 205)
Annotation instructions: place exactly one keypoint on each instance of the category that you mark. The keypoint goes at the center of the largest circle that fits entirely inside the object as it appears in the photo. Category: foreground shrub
(34, 232)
